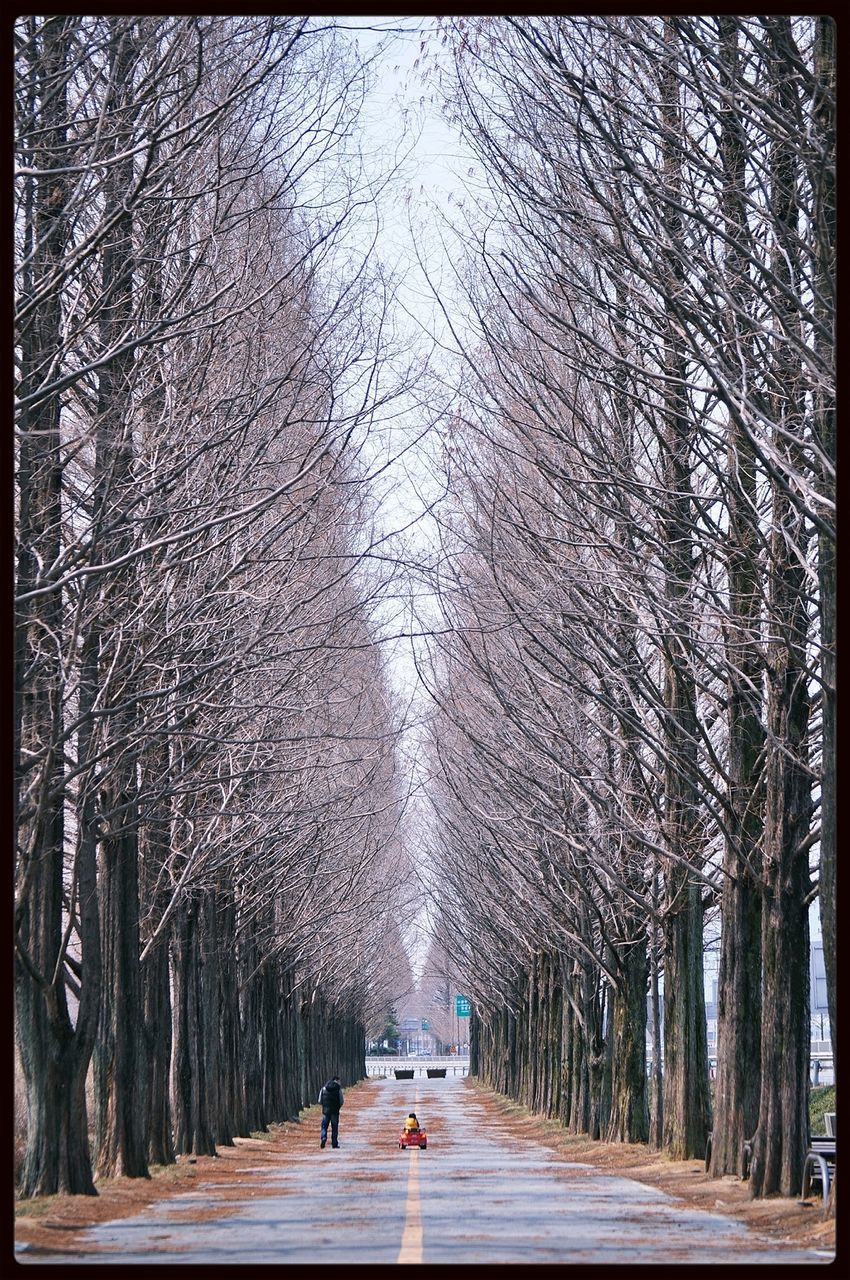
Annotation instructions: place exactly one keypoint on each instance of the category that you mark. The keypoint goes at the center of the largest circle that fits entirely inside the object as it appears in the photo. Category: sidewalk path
(479, 1194)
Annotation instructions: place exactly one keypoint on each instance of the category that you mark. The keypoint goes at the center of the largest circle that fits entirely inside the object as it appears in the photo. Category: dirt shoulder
(57, 1222)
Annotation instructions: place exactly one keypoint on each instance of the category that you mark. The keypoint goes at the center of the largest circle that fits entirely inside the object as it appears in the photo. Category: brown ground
(57, 1221)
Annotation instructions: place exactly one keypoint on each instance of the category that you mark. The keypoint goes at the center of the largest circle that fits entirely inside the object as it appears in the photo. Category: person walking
(331, 1098)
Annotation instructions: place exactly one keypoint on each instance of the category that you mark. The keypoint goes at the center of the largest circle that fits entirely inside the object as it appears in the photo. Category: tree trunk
(556, 1045)
(119, 1059)
(120, 1070)
(686, 1096)
(629, 1119)
(656, 1122)
(597, 1052)
(154, 851)
(739, 975)
(580, 1092)
(212, 947)
(231, 1102)
(686, 1099)
(158, 1041)
(54, 1055)
(783, 1129)
(192, 1127)
(825, 256)
(252, 1083)
(738, 1036)
(474, 1045)
(780, 1142)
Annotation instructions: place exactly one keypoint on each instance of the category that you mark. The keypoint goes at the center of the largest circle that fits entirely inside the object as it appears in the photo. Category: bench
(819, 1166)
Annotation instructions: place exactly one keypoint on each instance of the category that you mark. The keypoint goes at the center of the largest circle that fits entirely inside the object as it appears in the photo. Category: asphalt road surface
(478, 1195)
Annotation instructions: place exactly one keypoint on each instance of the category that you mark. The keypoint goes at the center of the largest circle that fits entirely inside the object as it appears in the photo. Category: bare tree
(635, 264)
(191, 570)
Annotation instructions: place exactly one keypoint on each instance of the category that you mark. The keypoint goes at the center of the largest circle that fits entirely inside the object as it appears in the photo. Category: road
(478, 1195)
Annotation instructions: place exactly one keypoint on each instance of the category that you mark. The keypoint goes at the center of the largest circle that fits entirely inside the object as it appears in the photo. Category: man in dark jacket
(331, 1098)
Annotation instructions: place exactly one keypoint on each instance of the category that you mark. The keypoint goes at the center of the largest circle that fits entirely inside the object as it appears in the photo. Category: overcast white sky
(400, 104)
(402, 122)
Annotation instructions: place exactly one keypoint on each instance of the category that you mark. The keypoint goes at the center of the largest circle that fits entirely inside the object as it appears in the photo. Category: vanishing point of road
(479, 1194)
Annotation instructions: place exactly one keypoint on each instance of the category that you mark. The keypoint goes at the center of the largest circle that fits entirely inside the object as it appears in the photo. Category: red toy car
(413, 1138)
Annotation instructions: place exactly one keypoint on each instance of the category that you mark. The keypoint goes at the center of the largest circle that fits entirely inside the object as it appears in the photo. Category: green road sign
(463, 1007)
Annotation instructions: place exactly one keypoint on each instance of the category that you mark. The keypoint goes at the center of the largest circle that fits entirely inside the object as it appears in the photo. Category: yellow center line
(411, 1236)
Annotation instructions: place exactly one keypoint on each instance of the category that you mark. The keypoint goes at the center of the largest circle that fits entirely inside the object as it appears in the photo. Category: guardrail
(387, 1066)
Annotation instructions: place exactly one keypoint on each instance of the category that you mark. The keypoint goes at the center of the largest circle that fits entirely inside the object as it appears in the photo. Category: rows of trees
(207, 791)
(634, 736)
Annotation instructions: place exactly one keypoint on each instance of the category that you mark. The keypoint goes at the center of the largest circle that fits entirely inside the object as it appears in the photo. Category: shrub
(821, 1100)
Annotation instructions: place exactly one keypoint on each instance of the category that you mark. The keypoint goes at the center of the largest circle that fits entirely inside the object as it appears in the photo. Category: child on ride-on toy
(411, 1134)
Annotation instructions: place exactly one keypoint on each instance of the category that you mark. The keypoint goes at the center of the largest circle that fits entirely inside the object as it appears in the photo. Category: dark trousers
(333, 1118)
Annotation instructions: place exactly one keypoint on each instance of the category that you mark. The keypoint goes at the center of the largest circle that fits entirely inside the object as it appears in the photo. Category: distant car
(426, 1053)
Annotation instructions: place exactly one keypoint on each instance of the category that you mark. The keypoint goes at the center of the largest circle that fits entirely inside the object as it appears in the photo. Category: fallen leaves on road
(57, 1222)
(802, 1224)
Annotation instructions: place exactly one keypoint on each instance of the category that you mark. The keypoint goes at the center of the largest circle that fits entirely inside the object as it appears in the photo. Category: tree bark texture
(686, 1096)
(54, 1054)
(120, 1068)
(824, 431)
(739, 974)
(193, 1125)
(780, 1142)
(629, 1118)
